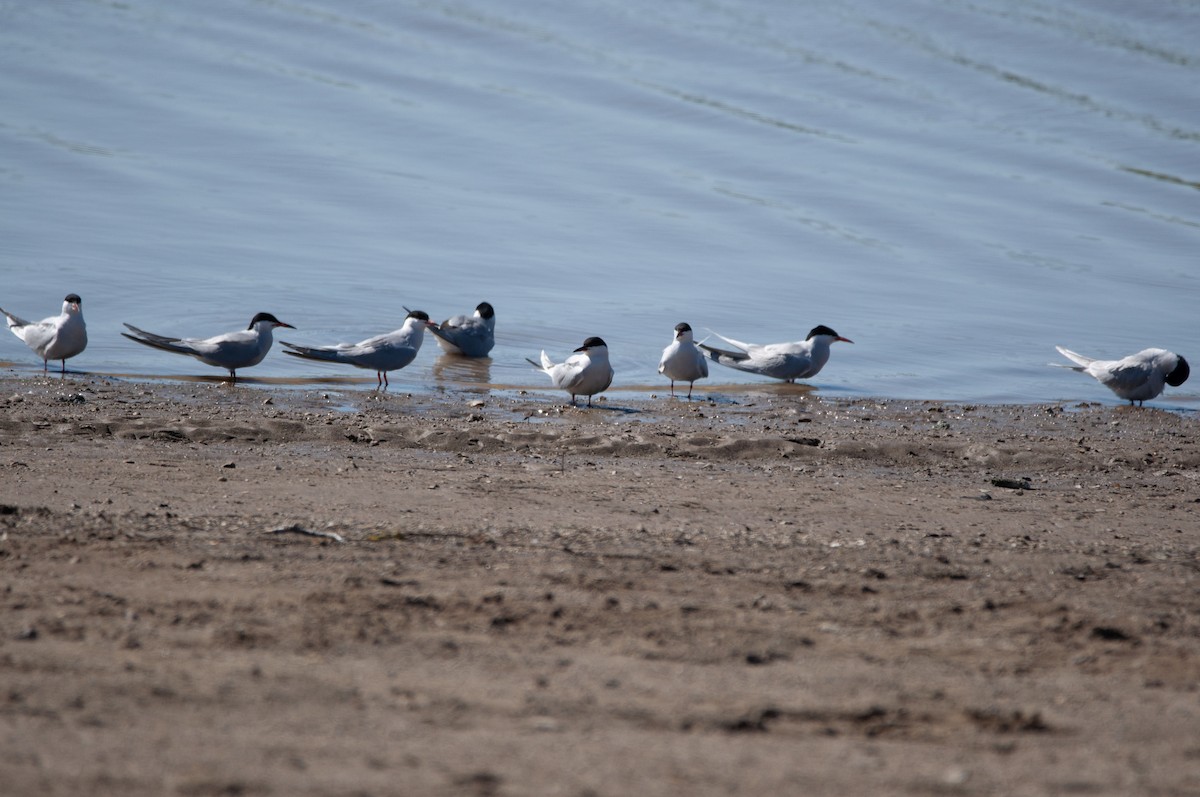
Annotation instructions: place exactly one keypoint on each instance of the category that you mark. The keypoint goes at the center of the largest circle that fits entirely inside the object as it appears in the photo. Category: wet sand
(216, 590)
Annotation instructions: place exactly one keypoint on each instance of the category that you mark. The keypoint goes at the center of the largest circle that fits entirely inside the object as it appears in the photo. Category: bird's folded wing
(311, 352)
(146, 337)
(1130, 375)
(662, 361)
(37, 335)
(571, 374)
(157, 342)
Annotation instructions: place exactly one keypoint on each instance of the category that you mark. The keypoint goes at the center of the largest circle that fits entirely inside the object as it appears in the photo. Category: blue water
(956, 186)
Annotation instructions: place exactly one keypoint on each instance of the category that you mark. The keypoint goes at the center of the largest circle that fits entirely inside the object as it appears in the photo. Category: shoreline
(677, 598)
(705, 392)
(449, 374)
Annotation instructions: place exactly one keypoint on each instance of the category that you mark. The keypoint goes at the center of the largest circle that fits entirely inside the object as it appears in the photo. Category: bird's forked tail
(1081, 361)
(546, 364)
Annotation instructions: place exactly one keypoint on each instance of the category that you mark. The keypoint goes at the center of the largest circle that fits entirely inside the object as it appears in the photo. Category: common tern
(1138, 377)
(231, 351)
(59, 337)
(682, 361)
(585, 373)
(788, 361)
(470, 336)
(380, 354)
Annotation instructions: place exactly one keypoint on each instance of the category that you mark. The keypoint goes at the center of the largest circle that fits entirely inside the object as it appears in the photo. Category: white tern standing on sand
(585, 373)
(682, 361)
(1138, 377)
(56, 338)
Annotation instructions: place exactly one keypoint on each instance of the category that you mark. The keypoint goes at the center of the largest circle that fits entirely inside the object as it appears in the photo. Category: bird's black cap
(592, 343)
(822, 330)
(264, 317)
(420, 315)
(683, 326)
(1180, 374)
(73, 297)
(485, 310)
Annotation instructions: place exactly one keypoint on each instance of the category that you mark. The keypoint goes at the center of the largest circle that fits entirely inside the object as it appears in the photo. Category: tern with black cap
(380, 354)
(231, 350)
(681, 361)
(801, 359)
(468, 336)
(58, 337)
(585, 373)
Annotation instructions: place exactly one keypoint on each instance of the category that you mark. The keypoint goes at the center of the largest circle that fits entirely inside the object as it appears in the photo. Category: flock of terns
(586, 372)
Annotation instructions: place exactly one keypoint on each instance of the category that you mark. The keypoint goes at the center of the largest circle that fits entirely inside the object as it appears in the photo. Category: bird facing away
(469, 336)
(380, 354)
(231, 351)
(58, 337)
(1138, 377)
(682, 361)
(585, 373)
(788, 361)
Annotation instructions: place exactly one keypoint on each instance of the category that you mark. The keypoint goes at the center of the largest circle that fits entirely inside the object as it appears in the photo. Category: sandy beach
(242, 590)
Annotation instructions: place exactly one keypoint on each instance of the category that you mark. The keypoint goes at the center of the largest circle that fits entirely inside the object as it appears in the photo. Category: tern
(585, 373)
(231, 351)
(470, 336)
(1138, 377)
(380, 354)
(682, 361)
(788, 361)
(56, 338)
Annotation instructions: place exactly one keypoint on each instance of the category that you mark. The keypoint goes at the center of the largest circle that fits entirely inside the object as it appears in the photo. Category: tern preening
(231, 351)
(788, 361)
(380, 354)
(470, 336)
(682, 361)
(58, 337)
(585, 373)
(1138, 377)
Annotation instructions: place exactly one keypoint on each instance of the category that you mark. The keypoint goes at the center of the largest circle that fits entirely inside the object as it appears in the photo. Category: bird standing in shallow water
(380, 354)
(682, 361)
(787, 361)
(58, 337)
(231, 350)
(470, 336)
(1138, 377)
(585, 373)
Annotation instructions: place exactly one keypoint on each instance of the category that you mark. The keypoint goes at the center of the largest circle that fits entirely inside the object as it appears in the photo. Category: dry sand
(767, 594)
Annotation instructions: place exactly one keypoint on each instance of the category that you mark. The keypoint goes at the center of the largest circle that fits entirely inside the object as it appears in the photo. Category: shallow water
(956, 186)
